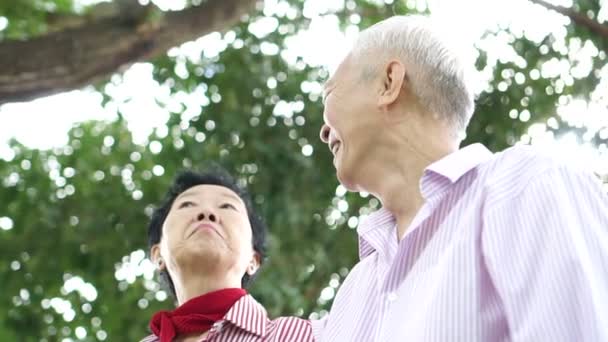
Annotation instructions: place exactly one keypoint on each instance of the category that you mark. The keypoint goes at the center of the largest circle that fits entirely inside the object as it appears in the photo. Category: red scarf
(196, 315)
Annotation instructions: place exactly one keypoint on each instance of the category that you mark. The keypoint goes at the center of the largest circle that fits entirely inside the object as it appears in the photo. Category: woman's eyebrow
(184, 194)
(191, 194)
(232, 196)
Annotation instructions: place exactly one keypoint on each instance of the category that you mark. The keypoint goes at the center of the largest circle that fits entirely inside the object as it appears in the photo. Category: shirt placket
(394, 275)
(386, 297)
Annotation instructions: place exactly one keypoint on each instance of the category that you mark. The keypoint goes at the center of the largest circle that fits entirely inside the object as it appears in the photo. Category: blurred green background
(73, 215)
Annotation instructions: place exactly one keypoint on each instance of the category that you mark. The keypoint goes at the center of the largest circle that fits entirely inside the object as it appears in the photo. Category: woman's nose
(206, 215)
(324, 134)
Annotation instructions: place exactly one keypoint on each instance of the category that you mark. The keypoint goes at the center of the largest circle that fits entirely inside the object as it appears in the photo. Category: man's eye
(186, 204)
(227, 206)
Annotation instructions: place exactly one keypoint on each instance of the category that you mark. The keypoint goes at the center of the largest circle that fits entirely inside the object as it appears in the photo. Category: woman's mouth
(205, 227)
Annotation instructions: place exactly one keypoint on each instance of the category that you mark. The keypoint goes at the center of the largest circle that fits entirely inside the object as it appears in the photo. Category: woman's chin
(200, 252)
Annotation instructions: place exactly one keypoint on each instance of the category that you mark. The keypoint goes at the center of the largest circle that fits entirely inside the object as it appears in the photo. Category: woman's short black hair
(215, 176)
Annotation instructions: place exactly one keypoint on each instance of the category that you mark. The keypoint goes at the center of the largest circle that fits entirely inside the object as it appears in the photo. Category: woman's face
(208, 231)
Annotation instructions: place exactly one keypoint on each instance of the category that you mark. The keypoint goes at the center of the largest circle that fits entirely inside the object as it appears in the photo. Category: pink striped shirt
(247, 321)
(507, 247)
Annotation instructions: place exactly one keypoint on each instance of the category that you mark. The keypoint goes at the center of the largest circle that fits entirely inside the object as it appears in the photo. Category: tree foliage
(73, 218)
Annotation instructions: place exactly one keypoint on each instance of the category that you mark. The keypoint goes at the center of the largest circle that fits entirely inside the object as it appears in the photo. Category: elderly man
(468, 245)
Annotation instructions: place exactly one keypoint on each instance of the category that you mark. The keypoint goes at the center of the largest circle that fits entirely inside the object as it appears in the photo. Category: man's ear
(254, 264)
(393, 79)
(156, 257)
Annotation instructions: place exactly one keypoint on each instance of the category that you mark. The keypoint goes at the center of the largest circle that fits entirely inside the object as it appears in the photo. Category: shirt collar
(248, 315)
(449, 169)
(457, 164)
(435, 179)
(374, 231)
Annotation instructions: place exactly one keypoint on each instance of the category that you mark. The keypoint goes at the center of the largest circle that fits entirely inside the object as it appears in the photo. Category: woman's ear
(254, 264)
(156, 257)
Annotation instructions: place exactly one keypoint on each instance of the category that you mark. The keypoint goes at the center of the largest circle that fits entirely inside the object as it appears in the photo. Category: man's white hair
(435, 71)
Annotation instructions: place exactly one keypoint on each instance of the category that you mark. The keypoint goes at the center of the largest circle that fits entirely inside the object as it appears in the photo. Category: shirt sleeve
(318, 325)
(546, 250)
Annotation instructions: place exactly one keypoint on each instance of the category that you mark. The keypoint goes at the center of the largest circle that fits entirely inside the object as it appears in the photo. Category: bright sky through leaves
(44, 123)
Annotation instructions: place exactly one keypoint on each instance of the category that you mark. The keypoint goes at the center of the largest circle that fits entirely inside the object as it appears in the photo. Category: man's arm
(318, 325)
(546, 250)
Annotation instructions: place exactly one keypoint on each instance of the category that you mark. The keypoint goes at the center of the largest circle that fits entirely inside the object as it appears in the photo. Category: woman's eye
(227, 206)
(186, 204)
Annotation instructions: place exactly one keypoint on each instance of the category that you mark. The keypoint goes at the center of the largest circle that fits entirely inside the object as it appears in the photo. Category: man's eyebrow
(327, 85)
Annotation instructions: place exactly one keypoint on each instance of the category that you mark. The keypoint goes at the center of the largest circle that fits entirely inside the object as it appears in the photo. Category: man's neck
(400, 195)
(397, 182)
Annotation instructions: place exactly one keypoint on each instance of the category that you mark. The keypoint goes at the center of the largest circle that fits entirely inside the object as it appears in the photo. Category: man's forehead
(328, 84)
(338, 72)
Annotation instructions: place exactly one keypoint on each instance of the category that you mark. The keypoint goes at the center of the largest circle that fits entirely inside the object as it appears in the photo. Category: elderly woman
(208, 244)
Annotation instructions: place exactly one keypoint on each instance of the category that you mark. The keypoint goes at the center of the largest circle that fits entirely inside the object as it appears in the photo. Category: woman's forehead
(210, 190)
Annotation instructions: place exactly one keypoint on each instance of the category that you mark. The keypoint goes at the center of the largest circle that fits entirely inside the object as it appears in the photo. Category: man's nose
(324, 134)
(206, 215)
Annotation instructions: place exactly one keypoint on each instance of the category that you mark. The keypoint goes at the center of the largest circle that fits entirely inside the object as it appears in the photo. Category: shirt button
(392, 297)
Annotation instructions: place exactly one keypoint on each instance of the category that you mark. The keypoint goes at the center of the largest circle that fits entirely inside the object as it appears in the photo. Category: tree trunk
(78, 56)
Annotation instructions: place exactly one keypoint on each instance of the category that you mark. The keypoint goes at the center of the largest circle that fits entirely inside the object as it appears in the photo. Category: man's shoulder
(511, 171)
(522, 163)
(524, 159)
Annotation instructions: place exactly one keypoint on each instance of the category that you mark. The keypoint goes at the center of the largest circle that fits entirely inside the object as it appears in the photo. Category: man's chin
(345, 179)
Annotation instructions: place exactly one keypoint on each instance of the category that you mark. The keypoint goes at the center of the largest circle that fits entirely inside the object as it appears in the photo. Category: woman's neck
(191, 337)
(193, 285)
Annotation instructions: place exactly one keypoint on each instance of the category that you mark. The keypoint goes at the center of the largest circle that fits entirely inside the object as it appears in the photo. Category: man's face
(351, 121)
(208, 224)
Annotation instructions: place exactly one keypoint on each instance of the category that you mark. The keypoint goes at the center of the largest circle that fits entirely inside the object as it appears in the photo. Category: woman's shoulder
(150, 338)
(290, 328)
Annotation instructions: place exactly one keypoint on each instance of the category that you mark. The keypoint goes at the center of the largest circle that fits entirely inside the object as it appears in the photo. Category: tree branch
(77, 56)
(578, 18)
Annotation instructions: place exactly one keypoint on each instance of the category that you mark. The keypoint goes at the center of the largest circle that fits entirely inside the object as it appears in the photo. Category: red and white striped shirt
(507, 247)
(247, 321)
